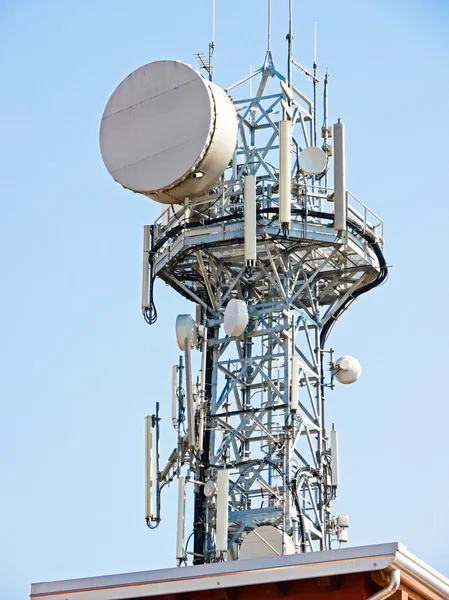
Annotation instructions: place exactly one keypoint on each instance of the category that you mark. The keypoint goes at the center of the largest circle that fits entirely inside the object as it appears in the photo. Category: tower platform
(361, 573)
(200, 253)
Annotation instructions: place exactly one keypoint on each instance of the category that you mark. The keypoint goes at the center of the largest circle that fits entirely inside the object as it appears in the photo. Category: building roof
(415, 575)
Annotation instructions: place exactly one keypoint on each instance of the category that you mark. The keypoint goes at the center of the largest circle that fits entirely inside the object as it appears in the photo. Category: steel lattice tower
(258, 407)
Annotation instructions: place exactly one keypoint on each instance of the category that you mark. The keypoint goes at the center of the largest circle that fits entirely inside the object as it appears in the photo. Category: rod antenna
(212, 42)
(269, 27)
(290, 41)
(315, 72)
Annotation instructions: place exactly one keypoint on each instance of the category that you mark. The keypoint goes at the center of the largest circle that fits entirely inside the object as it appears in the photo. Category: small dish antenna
(210, 488)
(186, 328)
(235, 317)
(347, 369)
(312, 160)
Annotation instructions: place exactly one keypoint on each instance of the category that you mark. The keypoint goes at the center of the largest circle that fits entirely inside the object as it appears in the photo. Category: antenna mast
(315, 71)
(269, 27)
(290, 42)
(207, 63)
(212, 43)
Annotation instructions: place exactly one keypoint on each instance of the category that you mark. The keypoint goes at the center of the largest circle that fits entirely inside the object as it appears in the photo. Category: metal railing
(228, 201)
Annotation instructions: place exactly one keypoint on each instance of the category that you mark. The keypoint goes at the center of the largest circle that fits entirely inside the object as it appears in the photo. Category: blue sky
(80, 369)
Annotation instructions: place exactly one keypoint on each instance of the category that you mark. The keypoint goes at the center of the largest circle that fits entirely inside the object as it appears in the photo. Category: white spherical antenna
(235, 317)
(186, 328)
(210, 488)
(347, 369)
(312, 160)
(266, 541)
(167, 132)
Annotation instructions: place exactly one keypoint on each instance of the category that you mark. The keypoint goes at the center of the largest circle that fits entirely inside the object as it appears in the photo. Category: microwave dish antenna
(185, 329)
(312, 160)
(347, 369)
(235, 317)
(167, 132)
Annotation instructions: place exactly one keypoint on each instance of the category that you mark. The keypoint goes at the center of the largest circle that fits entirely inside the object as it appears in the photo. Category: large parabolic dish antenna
(167, 132)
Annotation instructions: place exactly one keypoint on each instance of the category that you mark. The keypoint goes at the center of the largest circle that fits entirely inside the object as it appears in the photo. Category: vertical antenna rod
(290, 41)
(326, 83)
(269, 27)
(315, 69)
(212, 43)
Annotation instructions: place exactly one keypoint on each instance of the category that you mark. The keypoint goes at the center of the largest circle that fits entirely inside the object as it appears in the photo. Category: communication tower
(260, 232)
